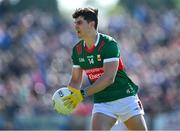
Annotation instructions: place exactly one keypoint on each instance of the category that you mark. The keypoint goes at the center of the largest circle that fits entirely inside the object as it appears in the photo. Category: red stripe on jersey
(121, 64)
(79, 49)
(101, 45)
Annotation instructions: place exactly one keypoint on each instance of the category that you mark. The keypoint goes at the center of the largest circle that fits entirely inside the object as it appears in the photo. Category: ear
(92, 24)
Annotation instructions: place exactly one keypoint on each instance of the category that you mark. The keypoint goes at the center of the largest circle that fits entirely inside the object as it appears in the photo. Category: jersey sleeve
(111, 52)
(74, 57)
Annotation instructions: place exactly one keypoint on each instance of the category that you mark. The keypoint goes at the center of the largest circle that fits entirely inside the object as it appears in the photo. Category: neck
(90, 39)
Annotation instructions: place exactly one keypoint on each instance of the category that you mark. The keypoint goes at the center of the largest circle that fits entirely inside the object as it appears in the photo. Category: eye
(78, 22)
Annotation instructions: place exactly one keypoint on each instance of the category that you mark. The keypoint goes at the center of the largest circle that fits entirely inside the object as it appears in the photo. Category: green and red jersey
(91, 61)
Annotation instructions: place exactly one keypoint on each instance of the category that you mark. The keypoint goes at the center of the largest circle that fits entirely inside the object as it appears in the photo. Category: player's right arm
(77, 72)
(76, 97)
(76, 78)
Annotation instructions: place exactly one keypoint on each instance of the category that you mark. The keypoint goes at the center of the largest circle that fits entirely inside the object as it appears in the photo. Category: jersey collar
(97, 40)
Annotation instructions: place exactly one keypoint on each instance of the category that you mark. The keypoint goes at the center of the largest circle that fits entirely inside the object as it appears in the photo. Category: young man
(115, 95)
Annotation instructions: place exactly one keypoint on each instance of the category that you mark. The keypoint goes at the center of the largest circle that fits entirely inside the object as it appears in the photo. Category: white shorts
(121, 109)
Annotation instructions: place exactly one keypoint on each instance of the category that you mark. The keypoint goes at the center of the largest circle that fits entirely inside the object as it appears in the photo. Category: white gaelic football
(58, 102)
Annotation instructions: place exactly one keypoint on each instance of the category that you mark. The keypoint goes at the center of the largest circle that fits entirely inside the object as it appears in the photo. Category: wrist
(84, 92)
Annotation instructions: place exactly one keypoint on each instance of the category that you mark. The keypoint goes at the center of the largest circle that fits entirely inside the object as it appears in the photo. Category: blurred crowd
(150, 46)
(35, 59)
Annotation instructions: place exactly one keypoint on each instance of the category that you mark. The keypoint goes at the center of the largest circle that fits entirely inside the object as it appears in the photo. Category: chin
(79, 36)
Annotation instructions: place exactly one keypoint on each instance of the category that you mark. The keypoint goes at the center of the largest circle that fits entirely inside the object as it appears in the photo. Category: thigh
(130, 106)
(136, 122)
(101, 121)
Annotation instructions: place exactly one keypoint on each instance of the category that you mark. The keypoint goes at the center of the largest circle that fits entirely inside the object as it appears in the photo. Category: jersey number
(91, 61)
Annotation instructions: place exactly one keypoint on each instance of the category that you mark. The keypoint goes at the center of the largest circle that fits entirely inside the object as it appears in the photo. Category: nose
(76, 25)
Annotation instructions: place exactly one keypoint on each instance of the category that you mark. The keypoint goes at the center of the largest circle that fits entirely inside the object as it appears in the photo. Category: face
(82, 27)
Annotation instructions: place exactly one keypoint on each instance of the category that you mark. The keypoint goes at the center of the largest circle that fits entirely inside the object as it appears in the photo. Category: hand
(71, 101)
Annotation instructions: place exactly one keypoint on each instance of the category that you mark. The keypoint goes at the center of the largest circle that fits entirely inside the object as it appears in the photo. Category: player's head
(89, 14)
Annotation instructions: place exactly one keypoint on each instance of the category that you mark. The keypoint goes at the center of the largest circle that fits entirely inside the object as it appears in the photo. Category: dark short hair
(89, 14)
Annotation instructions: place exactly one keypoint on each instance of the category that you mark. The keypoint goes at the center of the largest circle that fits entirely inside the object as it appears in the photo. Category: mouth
(78, 32)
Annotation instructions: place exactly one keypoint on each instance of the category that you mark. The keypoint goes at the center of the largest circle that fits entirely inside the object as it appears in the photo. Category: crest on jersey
(98, 57)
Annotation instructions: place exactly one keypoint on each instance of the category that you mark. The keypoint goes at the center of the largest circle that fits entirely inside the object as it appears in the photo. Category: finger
(74, 106)
(70, 106)
(67, 102)
(66, 98)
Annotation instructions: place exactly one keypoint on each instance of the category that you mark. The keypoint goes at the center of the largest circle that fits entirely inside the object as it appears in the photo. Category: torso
(92, 60)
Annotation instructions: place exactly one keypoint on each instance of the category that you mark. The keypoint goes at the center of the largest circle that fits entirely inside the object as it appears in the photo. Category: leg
(101, 121)
(136, 123)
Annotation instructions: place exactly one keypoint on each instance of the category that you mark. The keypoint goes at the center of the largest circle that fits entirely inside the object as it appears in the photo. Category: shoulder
(107, 38)
(78, 44)
(109, 42)
(78, 47)
(110, 47)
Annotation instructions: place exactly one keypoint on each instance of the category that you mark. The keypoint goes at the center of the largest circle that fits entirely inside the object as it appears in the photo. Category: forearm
(110, 70)
(75, 84)
(103, 82)
(76, 78)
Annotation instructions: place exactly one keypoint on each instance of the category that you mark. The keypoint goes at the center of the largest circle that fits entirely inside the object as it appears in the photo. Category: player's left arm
(110, 54)
(110, 70)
